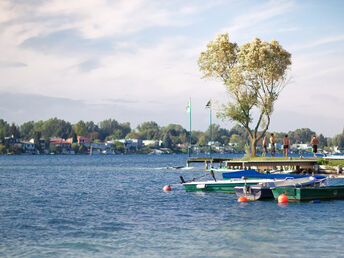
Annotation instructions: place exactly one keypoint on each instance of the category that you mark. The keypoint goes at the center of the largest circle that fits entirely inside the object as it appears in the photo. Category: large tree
(254, 75)
(149, 130)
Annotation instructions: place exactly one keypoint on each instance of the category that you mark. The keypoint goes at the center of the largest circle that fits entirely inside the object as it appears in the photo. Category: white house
(154, 143)
(131, 143)
(302, 146)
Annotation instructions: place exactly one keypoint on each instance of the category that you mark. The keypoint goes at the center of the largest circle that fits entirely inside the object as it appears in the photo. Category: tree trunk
(253, 147)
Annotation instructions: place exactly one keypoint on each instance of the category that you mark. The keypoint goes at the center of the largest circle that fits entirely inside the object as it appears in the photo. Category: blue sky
(135, 61)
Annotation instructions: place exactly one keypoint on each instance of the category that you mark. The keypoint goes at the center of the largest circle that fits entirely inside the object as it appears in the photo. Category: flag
(208, 104)
(188, 106)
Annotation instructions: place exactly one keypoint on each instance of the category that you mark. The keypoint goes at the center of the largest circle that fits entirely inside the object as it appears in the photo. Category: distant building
(41, 142)
(61, 143)
(152, 143)
(80, 139)
(11, 140)
(214, 143)
(277, 146)
(28, 147)
(301, 146)
(100, 145)
(131, 143)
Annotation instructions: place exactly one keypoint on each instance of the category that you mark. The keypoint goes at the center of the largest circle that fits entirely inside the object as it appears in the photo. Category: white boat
(334, 157)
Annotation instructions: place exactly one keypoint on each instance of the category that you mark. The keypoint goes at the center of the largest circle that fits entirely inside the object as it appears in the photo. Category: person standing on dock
(286, 144)
(315, 143)
(272, 143)
(265, 146)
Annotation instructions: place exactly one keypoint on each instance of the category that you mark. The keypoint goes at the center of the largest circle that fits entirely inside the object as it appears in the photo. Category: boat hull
(225, 186)
(310, 193)
(254, 193)
(263, 190)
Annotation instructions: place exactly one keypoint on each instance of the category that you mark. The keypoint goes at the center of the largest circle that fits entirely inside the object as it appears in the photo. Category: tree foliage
(149, 130)
(254, 75)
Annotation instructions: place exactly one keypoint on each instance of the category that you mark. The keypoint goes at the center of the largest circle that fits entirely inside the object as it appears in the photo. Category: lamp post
(209, 104)
(190, 144)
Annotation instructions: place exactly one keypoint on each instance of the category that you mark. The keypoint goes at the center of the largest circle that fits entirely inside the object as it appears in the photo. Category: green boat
(224, 186)
(310, 193)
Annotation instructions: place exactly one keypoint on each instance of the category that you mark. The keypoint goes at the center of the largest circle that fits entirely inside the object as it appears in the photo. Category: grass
(331, 162)
(271, 158)
(321, 161)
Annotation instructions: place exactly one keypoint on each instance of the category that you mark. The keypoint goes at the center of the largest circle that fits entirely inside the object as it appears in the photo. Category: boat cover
(251, 173)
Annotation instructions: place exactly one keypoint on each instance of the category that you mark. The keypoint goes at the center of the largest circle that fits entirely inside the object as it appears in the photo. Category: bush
(322, 162)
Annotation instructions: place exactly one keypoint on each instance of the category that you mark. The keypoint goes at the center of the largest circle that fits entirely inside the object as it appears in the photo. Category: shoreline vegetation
(56, 136)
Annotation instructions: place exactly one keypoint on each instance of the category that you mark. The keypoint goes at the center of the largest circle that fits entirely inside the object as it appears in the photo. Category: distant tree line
(171, 135)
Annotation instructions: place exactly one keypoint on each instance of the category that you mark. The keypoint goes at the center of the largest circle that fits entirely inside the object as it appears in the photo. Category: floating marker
(242, 199)
(167, 188)
(282, 198)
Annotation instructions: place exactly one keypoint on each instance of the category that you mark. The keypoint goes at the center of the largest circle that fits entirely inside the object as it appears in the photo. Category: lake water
(114, 206)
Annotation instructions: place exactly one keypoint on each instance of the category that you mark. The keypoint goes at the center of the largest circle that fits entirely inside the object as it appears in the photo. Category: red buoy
(282, 198)
(167, 188)
(242, 199)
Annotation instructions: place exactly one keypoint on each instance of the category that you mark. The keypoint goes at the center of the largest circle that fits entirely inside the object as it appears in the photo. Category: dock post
(339, 169)
(206, 164)
(316, 168)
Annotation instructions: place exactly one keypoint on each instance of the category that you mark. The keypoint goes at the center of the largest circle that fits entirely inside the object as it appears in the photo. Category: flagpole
(211, 135)
(190, 144)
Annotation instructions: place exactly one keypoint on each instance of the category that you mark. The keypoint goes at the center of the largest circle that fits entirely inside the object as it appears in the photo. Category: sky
(136, 61)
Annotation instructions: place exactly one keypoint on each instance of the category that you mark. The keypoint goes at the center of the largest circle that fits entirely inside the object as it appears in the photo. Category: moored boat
(225, 186)
(263, 190)
(310, 193)
(238, 178)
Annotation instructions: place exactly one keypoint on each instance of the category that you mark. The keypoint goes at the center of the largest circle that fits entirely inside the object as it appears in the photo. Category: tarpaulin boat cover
(251, 173)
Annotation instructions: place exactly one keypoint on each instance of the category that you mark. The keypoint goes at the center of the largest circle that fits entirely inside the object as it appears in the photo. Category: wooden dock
(208, 162)
(297, 165)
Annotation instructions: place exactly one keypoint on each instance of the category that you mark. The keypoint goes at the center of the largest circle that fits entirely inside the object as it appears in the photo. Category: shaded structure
(260, 165)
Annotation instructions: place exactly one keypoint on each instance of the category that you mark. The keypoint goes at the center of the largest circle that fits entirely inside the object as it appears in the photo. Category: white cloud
(92, 18)
(322, 41)
(260, 14)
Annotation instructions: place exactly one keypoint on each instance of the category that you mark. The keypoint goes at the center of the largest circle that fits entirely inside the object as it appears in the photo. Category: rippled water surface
(114, 206)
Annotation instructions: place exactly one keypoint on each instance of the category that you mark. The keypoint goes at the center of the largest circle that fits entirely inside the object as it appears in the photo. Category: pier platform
(297, 165)
(208, 162)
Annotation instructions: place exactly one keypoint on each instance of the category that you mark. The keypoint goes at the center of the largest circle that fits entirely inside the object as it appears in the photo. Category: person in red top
(286, 145)
(315, 143)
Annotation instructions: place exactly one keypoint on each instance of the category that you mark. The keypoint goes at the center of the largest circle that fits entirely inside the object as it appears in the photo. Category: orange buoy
(242, 199)
(167, 188)
(282, 198)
